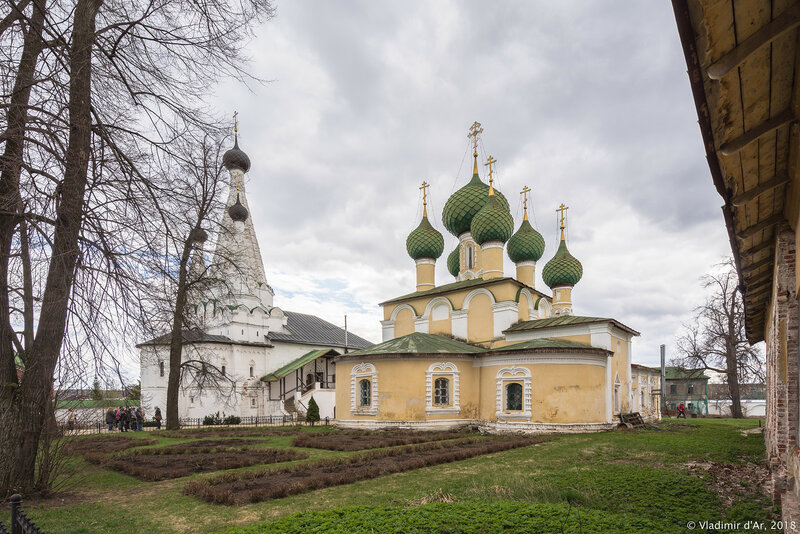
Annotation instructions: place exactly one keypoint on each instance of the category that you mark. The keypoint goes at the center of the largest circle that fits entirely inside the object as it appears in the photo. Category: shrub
(232, 420)
(312, 415)
(217, 419)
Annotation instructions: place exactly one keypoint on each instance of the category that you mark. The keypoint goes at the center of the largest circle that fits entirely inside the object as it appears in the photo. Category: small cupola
(562, 272)
(425, 245)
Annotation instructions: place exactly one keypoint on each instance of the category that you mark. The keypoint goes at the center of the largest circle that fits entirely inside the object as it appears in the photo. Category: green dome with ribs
(465, 203)
(492, 223)
(526, 244)
(454, 261)
(563, 269)
(425, 241)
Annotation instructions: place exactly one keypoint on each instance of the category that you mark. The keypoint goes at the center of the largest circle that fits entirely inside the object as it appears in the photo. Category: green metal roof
(417, 343)
(566, 320)
(679, 373)
(563, 269)
(548, 344)
(425, 241)
(526, 244)
(297, 364)
(476, 282)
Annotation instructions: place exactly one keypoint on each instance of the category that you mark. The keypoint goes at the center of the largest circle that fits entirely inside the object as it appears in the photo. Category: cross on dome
(424, 187)
(562, 209)
(474, 132)
(524, 193)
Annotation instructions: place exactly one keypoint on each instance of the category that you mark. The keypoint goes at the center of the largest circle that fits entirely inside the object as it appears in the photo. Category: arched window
(252, 372)
(441, 392)
(469, 256)
(222, 370)
(365, 392)
(641, 394)
(514, 397)
(161, 368)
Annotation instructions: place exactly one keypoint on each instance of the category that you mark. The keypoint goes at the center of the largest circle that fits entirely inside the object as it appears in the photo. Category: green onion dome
(563, 269)
(454, 261)
(526, 244)
(493, 222)
(465, 203)
(425, 241)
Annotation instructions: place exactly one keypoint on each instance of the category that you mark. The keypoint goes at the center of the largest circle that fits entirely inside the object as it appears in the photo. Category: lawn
(621, 481)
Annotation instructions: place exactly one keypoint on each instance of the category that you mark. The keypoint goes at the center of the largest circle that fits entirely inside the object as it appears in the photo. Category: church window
(641, 400)
(252, 372)
(253, 402)
(191, 399)
(514, 397)
(364, 393)
(616, 399)
(673, 389)
(161, 368)
(469, 257)
(691, 389)
(441, 392)
(222, 370)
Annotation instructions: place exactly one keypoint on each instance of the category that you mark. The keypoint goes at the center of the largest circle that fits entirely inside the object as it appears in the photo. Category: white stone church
(276, 359)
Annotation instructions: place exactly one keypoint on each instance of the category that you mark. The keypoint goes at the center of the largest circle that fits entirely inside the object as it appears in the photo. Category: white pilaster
(459, 323)
(505, 314)
(387, 328)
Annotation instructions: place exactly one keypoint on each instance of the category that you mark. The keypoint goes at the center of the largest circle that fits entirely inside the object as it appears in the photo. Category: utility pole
(663, 380)
(345, 333)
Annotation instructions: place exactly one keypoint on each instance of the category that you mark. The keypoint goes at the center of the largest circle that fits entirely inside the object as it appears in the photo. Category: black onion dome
(238, 212)
(235, 158)
(199, 235)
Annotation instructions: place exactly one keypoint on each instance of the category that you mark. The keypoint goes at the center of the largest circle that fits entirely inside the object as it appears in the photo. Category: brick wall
(782, 367)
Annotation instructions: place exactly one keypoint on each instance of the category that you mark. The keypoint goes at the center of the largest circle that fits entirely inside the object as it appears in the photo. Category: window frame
(360, 372)
(161, 368)
(441, 391)
(449, 371)
(509, 375)
(361, 392)
(507, 396)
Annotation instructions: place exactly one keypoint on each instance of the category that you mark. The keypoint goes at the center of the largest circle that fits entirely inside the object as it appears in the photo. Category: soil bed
(256, 486)
(202, 446)
(108, 443)
(152, 467)
(230, 432)
(357, 441)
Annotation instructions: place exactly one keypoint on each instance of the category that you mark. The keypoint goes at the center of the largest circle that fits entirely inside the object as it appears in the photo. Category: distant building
(689, 386)
(753, 399)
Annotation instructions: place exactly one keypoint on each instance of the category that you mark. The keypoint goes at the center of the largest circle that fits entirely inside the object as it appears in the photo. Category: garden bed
(256, 486)
(152, 467)
(230, 432)
(355, 440)
(106, 444)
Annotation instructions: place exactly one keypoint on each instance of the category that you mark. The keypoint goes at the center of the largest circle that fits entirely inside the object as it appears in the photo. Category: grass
(618, 482)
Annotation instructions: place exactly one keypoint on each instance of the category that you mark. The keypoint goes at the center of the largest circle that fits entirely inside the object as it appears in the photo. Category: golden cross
(474, 131)
(235, 122)
(424, 187)
(489, 163)
(562, 209)
(524, 193)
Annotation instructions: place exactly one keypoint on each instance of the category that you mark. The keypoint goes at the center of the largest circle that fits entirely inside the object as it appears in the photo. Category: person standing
(123, 419)
(681, 411)
(158, 418)
(139, 419)
(71, 419)
(111, 418)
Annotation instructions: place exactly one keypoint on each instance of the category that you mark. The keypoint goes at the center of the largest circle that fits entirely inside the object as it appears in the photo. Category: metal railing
(20, 522)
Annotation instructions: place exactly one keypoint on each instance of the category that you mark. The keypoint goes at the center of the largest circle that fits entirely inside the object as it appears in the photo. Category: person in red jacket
(681, 411)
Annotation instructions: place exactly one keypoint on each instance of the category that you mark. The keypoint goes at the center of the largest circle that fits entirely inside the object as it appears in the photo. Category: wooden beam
(766, 223)
(749, 283)
(732, 147)
(759, 190)
(781, 24)
(767, 243)
(756, 265)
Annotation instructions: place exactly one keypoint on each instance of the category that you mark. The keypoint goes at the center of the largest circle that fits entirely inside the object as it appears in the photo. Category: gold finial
(235, 123)
(424, 187)
(562, 209)
(474, 131)
(524, 193)
(489, 163)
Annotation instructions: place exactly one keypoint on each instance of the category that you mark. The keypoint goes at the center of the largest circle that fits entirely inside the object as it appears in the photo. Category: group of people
(125, 418)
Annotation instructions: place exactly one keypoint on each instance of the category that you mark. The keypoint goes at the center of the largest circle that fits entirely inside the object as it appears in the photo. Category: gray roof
(198, 336)
(311, 330)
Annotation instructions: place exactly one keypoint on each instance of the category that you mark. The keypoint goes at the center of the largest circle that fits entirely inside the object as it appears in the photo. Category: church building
(276, 360)
(491, 349)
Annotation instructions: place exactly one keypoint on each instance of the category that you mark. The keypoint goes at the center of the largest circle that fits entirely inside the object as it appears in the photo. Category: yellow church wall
(492, 262)
(480, 320)
(560, 393)
(404, 323)
(619, 365)
(402, 389)
(443, 326)
(524, 308)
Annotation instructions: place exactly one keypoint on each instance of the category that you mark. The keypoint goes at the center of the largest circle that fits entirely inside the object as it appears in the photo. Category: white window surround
(359, 372)
(444, 370)
(514, 374)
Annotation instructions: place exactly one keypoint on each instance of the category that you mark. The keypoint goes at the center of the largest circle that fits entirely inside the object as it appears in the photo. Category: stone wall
(782, 368)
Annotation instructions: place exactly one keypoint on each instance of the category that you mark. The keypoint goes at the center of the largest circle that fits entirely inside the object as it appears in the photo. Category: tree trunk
(732, 363)
(37, 382)
(15, 413)
(176, 341)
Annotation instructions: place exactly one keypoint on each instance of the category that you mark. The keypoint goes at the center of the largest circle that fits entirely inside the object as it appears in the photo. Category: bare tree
(715, 339)
(95, 93)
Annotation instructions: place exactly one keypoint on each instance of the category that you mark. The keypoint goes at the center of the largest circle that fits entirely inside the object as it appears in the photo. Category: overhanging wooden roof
(742, 60)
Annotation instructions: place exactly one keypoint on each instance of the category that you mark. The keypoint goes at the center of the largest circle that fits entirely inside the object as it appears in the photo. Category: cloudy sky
(586, 103)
